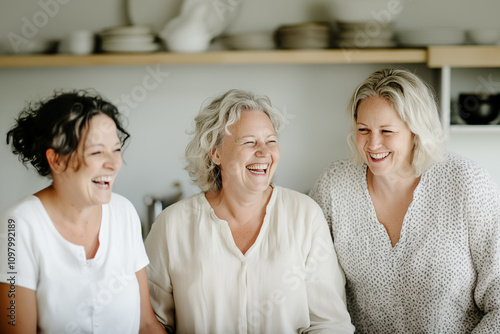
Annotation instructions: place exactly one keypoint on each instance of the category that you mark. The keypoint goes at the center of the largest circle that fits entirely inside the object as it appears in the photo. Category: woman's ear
(214, 155)
(57, 165)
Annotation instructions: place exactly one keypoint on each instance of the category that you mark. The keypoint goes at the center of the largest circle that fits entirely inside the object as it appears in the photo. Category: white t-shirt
(76, 295)
(289, 281)
(443, 275)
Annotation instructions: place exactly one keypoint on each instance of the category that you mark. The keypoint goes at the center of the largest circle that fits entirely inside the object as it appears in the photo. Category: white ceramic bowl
(484, 36)
(35, 46)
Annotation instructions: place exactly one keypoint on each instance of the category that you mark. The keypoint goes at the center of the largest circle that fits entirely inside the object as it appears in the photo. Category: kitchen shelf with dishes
(309, 56)
(443, 58)
(433, 56)
(446, 58)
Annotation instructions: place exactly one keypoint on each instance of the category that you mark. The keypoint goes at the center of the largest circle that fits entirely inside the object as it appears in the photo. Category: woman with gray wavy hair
(243, 255)
(416, 230)
(211, 126)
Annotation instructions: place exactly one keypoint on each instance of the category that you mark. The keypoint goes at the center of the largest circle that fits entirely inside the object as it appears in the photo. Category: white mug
(79, 42)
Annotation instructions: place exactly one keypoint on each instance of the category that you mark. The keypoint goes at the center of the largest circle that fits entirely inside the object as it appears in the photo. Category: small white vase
(198, 23)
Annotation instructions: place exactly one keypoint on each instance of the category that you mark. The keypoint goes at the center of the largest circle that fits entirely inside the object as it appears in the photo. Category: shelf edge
(464, 56)
(457, 128)
(332, 56)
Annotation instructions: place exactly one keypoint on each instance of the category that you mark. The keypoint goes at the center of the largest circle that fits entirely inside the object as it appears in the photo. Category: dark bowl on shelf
(479, 108)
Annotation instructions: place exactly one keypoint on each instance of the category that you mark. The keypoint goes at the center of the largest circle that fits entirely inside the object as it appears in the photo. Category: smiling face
(90, 177)
(249, 156)
(383, 138)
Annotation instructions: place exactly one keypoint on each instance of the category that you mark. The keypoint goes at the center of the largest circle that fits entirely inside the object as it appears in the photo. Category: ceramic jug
(198, 23)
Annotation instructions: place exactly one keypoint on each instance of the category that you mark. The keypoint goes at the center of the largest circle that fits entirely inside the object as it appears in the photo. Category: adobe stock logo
(30, 28)
(150, 82)
(224, 6)
(373, 29)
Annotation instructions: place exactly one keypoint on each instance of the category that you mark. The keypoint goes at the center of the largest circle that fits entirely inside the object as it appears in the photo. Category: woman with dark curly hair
(72, 258)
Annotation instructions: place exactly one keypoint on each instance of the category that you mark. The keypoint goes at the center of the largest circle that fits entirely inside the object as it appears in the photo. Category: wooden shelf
(464, 56)
(337, 56)
(460, 128)
(433, 56)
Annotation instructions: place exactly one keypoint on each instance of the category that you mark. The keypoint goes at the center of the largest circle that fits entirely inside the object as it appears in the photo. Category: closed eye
(362, 130)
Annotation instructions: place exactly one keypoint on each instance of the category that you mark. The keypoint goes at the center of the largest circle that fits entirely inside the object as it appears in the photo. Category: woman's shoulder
(290, 195)
(344, 164)
(456, 166)
(28, 218)
(344, 169)
(120, 200)
(182, 216)
(27, 206)
(294, 200)
(341, 177)
(122, 207)
(184, 207)
(462, 173)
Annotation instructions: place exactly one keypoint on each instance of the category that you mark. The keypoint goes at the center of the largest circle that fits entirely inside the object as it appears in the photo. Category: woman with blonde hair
(416, 230)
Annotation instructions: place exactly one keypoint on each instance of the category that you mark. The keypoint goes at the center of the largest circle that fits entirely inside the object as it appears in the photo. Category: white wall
(314, 96)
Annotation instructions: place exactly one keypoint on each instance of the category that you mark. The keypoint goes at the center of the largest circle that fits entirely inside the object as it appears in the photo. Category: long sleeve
(482, 212)
(325, 284)
(160, 286)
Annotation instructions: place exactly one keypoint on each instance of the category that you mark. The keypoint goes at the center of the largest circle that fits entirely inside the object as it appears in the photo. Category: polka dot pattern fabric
(443, 276)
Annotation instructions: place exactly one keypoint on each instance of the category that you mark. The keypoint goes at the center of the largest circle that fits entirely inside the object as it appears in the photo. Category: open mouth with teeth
(103, 181)
(379, 156)
(259, 169)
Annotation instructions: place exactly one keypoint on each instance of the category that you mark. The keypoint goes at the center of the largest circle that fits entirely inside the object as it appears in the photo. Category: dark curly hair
(57, 123)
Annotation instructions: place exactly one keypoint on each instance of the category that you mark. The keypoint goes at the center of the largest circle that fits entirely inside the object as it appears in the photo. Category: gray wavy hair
(212, 125)
(415, 103)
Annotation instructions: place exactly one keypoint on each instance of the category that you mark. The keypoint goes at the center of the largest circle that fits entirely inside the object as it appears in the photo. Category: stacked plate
(134, 38)
(258, 40)
(484, 36)
(431, 36)
(365, 34)
(309, 35)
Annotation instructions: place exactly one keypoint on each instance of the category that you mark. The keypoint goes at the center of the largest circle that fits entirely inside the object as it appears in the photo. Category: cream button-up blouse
(289, 281)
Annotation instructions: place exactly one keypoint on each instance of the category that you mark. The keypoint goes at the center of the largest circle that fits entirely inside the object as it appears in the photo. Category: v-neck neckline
(404, 224)
(223, 225)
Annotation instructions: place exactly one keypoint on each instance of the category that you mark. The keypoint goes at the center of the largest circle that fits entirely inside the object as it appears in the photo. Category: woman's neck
(77, 224)
(62, 207)
(392, 185)
(240, 208)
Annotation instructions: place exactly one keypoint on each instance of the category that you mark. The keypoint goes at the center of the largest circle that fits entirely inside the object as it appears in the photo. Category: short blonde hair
(211, 128)
(415, 103)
